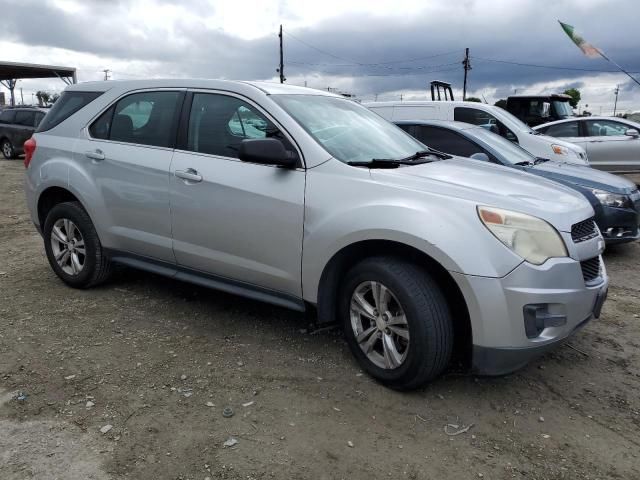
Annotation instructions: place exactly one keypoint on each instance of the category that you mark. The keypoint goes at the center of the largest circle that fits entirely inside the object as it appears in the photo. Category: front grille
(590, 269)
(584, 230)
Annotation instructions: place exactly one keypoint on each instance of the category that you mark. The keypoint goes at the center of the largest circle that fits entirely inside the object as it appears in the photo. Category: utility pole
(467, 66)
(281, 69)
(106, 74)
(615, 105)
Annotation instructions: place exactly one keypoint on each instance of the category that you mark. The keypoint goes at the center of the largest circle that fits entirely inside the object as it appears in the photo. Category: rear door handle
(95, 155)
(189, 174)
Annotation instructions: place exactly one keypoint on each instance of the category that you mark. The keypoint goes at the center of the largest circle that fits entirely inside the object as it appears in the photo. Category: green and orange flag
(588, 49)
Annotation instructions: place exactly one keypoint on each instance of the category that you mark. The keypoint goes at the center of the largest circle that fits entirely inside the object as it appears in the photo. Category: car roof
(418, 103)
(575, 119)
(562, 96)
(458, 126)
(269, 88)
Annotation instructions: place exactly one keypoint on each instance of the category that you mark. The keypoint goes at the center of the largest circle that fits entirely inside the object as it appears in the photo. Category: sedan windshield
(509, 151)
(347, 130)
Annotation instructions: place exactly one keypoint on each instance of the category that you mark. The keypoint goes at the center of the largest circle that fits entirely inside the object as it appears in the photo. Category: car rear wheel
(396, 321)
(73, 248)
(7, 149)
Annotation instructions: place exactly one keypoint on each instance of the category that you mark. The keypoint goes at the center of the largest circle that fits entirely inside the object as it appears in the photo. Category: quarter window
(68, 104)
(219, 123)
(605, 128)
(146, 118)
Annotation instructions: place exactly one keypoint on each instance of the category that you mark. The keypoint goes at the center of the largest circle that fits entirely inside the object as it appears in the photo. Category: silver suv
(310, 201)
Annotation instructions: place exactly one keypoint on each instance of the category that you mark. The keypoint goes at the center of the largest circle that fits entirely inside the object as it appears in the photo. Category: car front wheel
(396, 321)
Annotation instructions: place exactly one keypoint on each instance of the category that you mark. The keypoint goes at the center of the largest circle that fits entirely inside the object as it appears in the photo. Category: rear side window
(146, 118)
(25, 118)
(68, 104)
(7, 116)
(567, 129)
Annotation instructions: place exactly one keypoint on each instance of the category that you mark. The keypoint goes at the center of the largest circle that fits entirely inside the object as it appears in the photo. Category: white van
(491, 117)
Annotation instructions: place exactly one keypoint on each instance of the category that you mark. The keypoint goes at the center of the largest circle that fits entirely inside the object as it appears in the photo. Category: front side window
(25, 118)
(219, 123)
(447, 141)
(145, 118)
(566, 129)
(346, 130)
(605, 128)
(68, 104)
(483, 119)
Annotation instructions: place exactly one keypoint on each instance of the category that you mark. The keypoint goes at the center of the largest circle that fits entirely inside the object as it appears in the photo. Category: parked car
(320, 205)
(16, 126)
(612, 143)
(537, 109)
(615, 200)
(491, 117)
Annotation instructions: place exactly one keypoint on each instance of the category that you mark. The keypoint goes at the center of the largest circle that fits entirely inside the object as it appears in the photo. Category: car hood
(493, 185)
(571, 174)
(556, 141)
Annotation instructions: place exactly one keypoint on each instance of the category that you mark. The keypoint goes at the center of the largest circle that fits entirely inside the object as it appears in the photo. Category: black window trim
(183, 127)
(174, 123)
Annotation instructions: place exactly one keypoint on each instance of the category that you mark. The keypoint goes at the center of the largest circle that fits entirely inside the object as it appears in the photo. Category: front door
(233, 219)
(609, 148)
(127, 151)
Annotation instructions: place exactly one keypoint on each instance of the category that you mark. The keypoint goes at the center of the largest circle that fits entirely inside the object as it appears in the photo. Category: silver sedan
(612, 144)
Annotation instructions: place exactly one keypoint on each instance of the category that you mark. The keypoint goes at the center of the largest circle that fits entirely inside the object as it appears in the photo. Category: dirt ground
(158, 360)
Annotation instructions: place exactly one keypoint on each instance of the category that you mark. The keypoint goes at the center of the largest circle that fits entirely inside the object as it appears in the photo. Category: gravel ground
(158, 360)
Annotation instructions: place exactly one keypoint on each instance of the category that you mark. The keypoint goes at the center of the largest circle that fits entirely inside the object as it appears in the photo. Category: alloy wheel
(68, 246)
(7, 150)
(380, 325)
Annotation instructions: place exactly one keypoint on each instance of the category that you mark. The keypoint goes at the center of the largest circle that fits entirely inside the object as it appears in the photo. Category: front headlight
(612, 199)
(560, 150)
(529, 237)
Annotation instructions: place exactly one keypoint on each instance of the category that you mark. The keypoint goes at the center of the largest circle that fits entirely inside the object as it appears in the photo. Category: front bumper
(498, 307)
(618, 225)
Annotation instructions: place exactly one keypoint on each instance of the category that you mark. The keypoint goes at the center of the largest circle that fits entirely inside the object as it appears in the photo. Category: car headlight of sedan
(530, 237)
(612, 199)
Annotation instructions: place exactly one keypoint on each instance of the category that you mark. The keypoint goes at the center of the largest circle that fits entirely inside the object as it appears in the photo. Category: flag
(588, 49)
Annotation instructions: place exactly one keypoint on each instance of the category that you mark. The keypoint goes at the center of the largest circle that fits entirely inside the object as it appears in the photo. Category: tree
(502, 103)
(574, 93)
(43, 97)
(473, 99)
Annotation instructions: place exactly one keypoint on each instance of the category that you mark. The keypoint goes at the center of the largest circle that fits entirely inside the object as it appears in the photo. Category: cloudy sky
(374, 49)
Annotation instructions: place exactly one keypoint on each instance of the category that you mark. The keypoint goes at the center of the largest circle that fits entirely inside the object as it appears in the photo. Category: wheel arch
(50, 197)
(334, 271)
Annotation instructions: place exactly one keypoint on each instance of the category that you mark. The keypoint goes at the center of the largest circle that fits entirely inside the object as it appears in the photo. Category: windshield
(509, 151)
(563, 109)
(515, 121)
(347, 130)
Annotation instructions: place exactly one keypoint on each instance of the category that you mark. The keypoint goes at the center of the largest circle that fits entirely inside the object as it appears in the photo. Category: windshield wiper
(540, 160)
(524, 164)
(395, 162)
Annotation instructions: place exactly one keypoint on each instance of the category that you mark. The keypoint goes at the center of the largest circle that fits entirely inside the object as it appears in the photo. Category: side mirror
(632, 132)
(266, 151)
(483, 157)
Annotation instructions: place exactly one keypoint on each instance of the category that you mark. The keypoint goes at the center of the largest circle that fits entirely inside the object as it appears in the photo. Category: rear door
(567, 131)
(234, 219)
(609, 148)
(127, 151)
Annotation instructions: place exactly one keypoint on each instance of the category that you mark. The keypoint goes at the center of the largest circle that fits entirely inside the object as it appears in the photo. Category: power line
(420, 67)
(556, 67)
(354, 63)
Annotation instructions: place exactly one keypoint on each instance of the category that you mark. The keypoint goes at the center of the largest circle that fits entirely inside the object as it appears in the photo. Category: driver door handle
(189, 174)
(94, 154)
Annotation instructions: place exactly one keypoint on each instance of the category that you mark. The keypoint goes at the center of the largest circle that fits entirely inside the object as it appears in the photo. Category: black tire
(97, 266)
(7, 149)
(429, 320)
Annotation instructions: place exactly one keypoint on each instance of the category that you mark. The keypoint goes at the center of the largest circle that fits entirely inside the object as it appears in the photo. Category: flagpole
(621, 69)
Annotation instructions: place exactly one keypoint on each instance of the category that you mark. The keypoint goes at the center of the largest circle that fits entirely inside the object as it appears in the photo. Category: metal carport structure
(11, 72)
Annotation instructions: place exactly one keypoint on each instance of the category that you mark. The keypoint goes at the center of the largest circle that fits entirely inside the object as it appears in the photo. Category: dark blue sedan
(615, 200)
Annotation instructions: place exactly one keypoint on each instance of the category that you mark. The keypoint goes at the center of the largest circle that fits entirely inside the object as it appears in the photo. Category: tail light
(29, 150)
